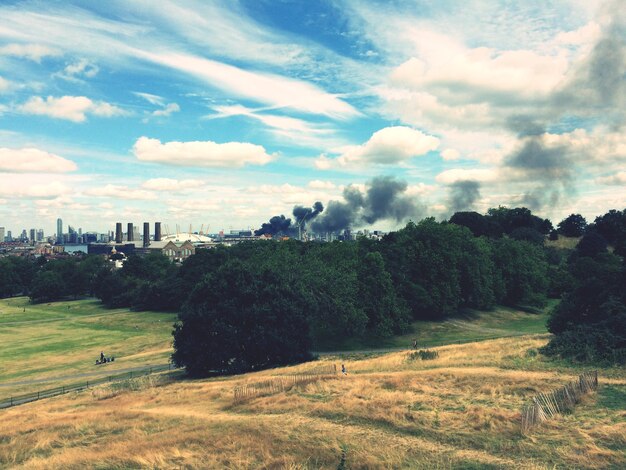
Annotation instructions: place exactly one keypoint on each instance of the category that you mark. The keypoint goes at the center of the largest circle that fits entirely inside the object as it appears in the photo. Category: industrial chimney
(131, 232)
(157, 231)
(118, 232)
(146, 234)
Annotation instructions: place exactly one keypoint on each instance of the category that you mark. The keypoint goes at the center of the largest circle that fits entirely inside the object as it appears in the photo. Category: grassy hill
(460, 410)
(45, 341)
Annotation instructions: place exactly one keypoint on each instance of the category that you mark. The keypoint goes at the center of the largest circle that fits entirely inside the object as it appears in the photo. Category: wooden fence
(547, 405)
(282, 383)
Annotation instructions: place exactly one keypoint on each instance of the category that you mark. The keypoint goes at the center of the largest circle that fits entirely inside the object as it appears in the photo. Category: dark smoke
(280, 225)
(384, 198)
(277, 225)
(463, 195)
(306, 214)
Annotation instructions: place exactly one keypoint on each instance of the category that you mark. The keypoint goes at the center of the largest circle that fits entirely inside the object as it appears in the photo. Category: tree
(47, 286)
(573, 225)
(377, 298)
(241, 319)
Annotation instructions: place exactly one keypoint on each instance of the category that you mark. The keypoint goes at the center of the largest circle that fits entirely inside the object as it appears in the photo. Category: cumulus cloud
(32, 160)
(388, 146)
(34, 52)
(120, 192)
(201, 153)
(169, 184)
(71, 108)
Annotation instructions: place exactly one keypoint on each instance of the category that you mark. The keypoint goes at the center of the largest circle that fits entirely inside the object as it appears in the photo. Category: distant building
(60, 231)
(174, 250)
(1, 234)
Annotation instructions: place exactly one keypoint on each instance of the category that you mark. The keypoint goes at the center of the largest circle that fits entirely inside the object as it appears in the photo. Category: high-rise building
(157, 231)
(130, 232)
(59, 232)
(119, 238)
(32, 235)
(146, 234)
(1, 234)
(40, 235)
(9, 236)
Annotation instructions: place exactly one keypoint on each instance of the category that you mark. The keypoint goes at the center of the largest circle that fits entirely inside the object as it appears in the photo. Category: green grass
(65, 338)
(469, 325)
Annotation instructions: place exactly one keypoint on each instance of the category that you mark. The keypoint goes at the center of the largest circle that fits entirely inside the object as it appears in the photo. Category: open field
(460, 410)
(65, 338)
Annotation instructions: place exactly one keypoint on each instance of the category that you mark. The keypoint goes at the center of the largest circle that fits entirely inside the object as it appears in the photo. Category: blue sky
(226, 113)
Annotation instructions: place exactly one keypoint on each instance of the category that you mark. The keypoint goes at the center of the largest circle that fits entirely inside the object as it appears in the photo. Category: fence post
(63, 389)
(37, 394)
(11, 401)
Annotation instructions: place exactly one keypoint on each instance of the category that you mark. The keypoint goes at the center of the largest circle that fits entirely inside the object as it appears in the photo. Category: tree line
(264, 303)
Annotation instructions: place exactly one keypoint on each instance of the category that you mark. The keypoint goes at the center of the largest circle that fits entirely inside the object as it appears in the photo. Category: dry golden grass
(460, 410)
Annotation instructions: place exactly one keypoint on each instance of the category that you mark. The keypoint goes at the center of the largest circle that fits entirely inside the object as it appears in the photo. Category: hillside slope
(460, 410)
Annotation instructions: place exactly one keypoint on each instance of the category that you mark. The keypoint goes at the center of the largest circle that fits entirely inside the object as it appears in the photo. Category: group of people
(103, 359)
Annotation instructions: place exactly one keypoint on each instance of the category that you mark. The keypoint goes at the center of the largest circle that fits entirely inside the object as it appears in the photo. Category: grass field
(460, 410)
(470, 325)
(65, 338)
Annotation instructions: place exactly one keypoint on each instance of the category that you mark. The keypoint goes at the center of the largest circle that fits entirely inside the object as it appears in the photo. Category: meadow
(460, 410)
(42, 342)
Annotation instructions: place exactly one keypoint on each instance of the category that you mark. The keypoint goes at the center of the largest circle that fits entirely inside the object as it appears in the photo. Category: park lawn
(460, 410)
(469, 325)
(50, 341)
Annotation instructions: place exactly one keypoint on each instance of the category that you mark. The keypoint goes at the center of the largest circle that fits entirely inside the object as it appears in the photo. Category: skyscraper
(59, 232)
(1, 234)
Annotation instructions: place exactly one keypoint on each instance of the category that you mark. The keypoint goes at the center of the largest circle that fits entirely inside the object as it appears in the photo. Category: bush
(423, 354)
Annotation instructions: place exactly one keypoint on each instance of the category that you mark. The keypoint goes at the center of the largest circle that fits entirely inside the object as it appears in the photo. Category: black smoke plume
(306, 214)
(280, 225)
(277, 225)
(463, 195)
(384, 198)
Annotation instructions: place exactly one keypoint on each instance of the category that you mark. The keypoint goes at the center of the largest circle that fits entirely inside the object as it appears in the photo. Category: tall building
(40, 235)
(59, 232)
(1, 234)
(32, 235)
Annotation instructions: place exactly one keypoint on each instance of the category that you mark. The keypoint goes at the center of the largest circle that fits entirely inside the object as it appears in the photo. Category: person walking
(101, 356)
(343, 369)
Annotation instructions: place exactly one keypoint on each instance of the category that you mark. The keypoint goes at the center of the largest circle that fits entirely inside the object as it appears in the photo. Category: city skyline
(226, 114)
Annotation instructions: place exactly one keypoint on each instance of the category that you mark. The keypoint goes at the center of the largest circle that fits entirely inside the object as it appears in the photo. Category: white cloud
(388, 146)
(450, 154)
(71, 108)
(318, 184)
(31, 186)
(296, 130)
(34, 52)
(274, 90)
(169, 184)
(618, 179)
(77, 70)
(120, 192)
(461, 174)
(446, 63)
(32, 160)
(150, 98)
(201, 153)
(5, 85)
(167, 110)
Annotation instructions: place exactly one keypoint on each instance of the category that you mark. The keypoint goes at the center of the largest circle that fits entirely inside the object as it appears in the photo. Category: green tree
(241, 319)
(573, 225)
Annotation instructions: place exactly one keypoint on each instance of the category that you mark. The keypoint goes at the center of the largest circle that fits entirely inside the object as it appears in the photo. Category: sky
(224, 114)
